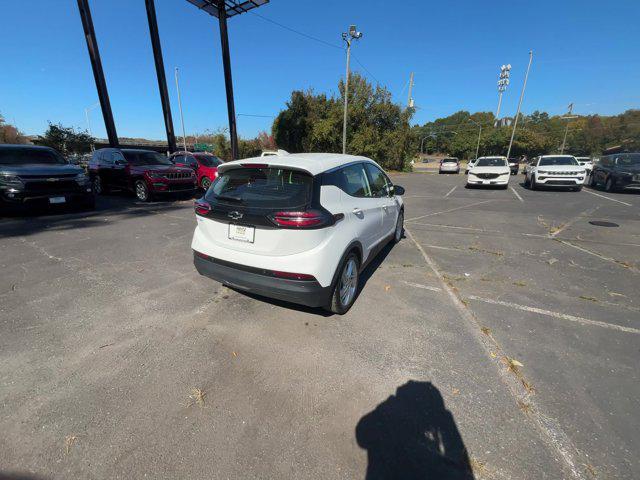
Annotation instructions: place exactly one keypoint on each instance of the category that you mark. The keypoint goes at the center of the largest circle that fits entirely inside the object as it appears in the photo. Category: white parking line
(447, 211)
(595, 254)
(564, 226)
(450, 191)
(516, 194)
(424, 287)
(608, 198)
(562, 316)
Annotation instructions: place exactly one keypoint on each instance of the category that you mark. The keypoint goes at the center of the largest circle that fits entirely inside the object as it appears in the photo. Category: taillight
(293, 276)
(254, 165)
(306, 219)
(202, 207)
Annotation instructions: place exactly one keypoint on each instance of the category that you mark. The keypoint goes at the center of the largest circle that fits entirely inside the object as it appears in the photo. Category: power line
(254, 115)
(293, 30)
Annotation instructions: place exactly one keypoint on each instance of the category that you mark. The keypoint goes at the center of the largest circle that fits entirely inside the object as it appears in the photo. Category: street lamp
(353, 34)
(479, 134)
(503, 83)
(524, 87)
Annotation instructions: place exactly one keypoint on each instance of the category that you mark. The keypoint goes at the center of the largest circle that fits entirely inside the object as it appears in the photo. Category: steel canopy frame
(222, 9)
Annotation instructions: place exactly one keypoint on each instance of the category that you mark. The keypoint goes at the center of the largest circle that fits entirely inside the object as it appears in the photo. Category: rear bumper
(303, 292)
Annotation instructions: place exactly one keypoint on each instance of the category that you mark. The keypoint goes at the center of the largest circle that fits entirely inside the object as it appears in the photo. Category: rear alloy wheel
(142, 191)
(344, 293)
(96, 185)
(397, 236)
(609, 186)
(205, 183)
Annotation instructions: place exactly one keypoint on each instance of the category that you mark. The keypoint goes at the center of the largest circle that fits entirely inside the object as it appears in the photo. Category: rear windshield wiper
(230, 198)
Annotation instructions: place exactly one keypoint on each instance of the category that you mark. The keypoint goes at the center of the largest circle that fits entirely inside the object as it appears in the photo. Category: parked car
(297, 227)
(470, 164)
(144, 172)
(617, 172)
(487, 171)
(204, 164)
(514, 165)
(30, 175)
(585, 162)
(555, 171)
(449, 165)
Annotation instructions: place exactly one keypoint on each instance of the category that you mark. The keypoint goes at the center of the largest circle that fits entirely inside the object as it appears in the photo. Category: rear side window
(267, 188)
(378, 181)
(351, 179)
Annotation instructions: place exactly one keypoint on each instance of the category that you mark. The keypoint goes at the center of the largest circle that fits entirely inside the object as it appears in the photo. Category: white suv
(296, 227)
(494, 171)
(554, 171)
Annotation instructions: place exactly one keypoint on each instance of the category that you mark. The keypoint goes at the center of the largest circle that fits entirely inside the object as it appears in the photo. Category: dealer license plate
(242, 233)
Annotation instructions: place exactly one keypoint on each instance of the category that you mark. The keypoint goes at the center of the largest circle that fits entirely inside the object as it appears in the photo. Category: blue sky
(585, 52)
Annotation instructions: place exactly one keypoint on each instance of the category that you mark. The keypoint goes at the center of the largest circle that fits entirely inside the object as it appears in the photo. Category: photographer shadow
(411, 435)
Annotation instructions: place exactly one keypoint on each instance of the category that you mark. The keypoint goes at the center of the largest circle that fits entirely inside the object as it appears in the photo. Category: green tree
(65, 140)
(376, 126)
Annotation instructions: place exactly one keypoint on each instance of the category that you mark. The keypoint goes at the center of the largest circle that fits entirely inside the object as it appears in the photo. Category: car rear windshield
(629, 159)
(208, 160)
(26, 156)
(450, 160)
(548, 161)
(491, 162)
(268, 188)
(146, 158)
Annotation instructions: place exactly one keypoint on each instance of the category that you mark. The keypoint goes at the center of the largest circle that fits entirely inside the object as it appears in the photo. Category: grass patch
(197, 396)
(591, 299)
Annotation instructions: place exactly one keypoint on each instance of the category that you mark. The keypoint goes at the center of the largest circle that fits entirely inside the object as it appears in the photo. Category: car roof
(493, 156)
(556, 155)
(13, 146)
(314, 163)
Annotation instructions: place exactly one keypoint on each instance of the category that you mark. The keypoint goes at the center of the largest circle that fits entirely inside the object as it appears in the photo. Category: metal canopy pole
(228, 82)
(98, 74)
(162, 80)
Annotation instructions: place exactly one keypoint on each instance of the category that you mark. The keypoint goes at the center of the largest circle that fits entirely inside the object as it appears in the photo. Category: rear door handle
(357, 211)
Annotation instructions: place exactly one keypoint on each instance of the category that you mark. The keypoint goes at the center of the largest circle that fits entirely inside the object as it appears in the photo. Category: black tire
(504, 187)
(338, 303)
(577, 189)
(532, 183)
(97, 187)
(526, 181)
(592, 181)
(609, 185)
(399, 231)
(141, 191)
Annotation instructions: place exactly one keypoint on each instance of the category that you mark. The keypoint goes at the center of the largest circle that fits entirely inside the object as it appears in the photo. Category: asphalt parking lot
(498, 340)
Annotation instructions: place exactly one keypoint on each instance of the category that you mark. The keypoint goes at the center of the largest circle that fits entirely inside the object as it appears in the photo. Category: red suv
(143, 172)
(204, 164)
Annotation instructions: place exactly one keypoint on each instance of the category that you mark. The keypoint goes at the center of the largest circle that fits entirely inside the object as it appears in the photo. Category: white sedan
(490, 171)
(555, 171)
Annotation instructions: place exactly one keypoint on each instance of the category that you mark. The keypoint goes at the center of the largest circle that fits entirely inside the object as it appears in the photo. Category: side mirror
(120, 162)
(398, 190)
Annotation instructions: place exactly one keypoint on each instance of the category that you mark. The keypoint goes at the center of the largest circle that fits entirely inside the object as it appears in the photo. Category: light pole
(348, 37)
(184, 135)
(86, 116)
(568, 116)
(479, 134)
(524, 86)
(503, 82)
(422, 143)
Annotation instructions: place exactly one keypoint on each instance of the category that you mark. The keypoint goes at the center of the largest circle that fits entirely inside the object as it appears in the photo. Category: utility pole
(503, 83)
(184, 136)
(566, 130)
(353, 34)
(524, 86)
(409, 99)
(479, 135)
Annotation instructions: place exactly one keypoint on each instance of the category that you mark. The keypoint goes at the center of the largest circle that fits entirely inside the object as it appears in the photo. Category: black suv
(617, 172)
(30, 174)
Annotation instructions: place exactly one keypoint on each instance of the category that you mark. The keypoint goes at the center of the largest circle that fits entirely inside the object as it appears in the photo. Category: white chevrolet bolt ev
(494, 171)
(298, 227)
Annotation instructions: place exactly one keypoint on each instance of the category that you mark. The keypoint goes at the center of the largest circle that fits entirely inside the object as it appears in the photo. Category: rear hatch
(264, 209)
